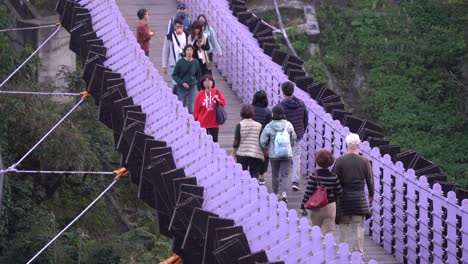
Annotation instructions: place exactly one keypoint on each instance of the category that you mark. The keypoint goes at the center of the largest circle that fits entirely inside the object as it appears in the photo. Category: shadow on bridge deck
(160, 12)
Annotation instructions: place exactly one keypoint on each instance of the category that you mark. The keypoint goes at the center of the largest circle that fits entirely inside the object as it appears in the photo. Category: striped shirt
(329, 180)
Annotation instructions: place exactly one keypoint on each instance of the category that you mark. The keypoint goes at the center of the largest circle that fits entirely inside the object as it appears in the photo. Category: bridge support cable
(119, 173)
(30, 56)
(29, 28)
(283, 31)
(39, 93)
(13, 167)
(56, 172)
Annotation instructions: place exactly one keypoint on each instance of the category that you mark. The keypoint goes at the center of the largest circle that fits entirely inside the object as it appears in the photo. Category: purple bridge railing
(412, 221)
(409, 219)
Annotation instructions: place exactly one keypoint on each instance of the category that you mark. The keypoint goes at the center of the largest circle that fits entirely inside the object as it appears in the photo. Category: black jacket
(262, 115)
(297, 114)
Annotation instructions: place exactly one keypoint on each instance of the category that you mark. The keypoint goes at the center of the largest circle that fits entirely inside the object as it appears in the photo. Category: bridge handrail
(410, 219)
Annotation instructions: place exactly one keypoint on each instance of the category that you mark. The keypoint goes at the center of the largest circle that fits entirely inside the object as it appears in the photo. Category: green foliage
(298, 40)
(412, 51)
(37, 206)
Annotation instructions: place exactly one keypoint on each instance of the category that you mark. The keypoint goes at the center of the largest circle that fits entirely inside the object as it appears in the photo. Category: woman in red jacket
(205, 106)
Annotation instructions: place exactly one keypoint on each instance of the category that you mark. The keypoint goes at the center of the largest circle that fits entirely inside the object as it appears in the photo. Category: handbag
(221, 115)
(319, 197)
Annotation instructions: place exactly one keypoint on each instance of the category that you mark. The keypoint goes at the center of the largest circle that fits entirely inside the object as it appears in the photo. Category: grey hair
(353, 141)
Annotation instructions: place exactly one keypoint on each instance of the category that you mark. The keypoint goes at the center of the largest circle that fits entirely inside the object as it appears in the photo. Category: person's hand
(216, 97)
(165, 70)
(151, 33)
(186, 86)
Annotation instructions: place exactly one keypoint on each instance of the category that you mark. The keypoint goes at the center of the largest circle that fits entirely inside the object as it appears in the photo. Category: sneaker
(296, 187)
(261, 181)
(283, 197)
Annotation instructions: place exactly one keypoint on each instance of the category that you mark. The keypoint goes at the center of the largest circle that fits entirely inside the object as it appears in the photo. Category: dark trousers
(253, 165)
(213, 132)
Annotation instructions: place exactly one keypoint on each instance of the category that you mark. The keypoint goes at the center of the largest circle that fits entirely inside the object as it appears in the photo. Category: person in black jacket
(354, 172)
(324, 217)
(296, 113)
(262, 115)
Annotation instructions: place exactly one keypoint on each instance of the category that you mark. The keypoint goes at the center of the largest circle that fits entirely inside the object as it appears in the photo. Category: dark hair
(278, 113)
(287, 88)
(141, 13)
(186, 47)
(247, 111)
(204, 18)
(178, 21)
(324, 158)
(196, 25)
(209, 77)
(260, 99)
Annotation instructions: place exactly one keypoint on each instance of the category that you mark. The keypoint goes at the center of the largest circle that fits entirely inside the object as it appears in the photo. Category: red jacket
(204, 110)
(143, 35)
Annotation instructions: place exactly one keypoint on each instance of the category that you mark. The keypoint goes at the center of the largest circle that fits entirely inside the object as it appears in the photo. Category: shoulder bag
(221, 115)
(319, 197)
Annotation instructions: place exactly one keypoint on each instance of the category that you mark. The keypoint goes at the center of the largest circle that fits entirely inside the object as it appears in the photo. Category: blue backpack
(282, 143)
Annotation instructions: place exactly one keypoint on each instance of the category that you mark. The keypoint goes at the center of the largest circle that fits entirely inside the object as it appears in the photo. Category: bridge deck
(160, 12)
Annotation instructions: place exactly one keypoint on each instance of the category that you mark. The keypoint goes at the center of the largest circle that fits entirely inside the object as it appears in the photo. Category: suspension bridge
(214, 211)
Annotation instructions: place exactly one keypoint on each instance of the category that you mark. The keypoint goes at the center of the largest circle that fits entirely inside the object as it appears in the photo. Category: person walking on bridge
(278, 138)
(205, 106)
(199, 40)
(173, 47)
(354, 172)
(212, 38)
(187, 77)
(246, 148)
(182, 15)
(323, 217)
(262, 115)
(296, 113)
(143, 31)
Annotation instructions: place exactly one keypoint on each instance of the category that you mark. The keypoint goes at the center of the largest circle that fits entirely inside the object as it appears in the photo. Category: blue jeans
(171, 71)
(189, 94)
(296, 162)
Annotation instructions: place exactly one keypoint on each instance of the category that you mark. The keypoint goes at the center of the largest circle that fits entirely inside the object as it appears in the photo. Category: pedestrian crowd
(266, 137)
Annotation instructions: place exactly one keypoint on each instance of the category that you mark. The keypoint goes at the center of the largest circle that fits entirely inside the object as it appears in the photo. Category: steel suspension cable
(39, 93)
(74, 220)
(30, 56)
(13, 167)
(27, 28)
(56, 172)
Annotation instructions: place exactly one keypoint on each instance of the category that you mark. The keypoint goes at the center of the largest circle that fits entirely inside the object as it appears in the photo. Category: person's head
(188, 51)
(203, 21)
(196, 30)
(178, 26)
(278, 113)
(353, 141)
(324, 158)
(181, 10)
(143, 14)
(207, 82)
(260, 99)
(247, 111)
(287, 88)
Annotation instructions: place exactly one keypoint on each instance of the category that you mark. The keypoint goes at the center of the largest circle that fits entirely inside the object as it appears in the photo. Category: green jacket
(187, 72)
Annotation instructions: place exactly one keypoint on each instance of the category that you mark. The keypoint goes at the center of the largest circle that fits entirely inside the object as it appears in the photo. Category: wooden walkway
(160, 12)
